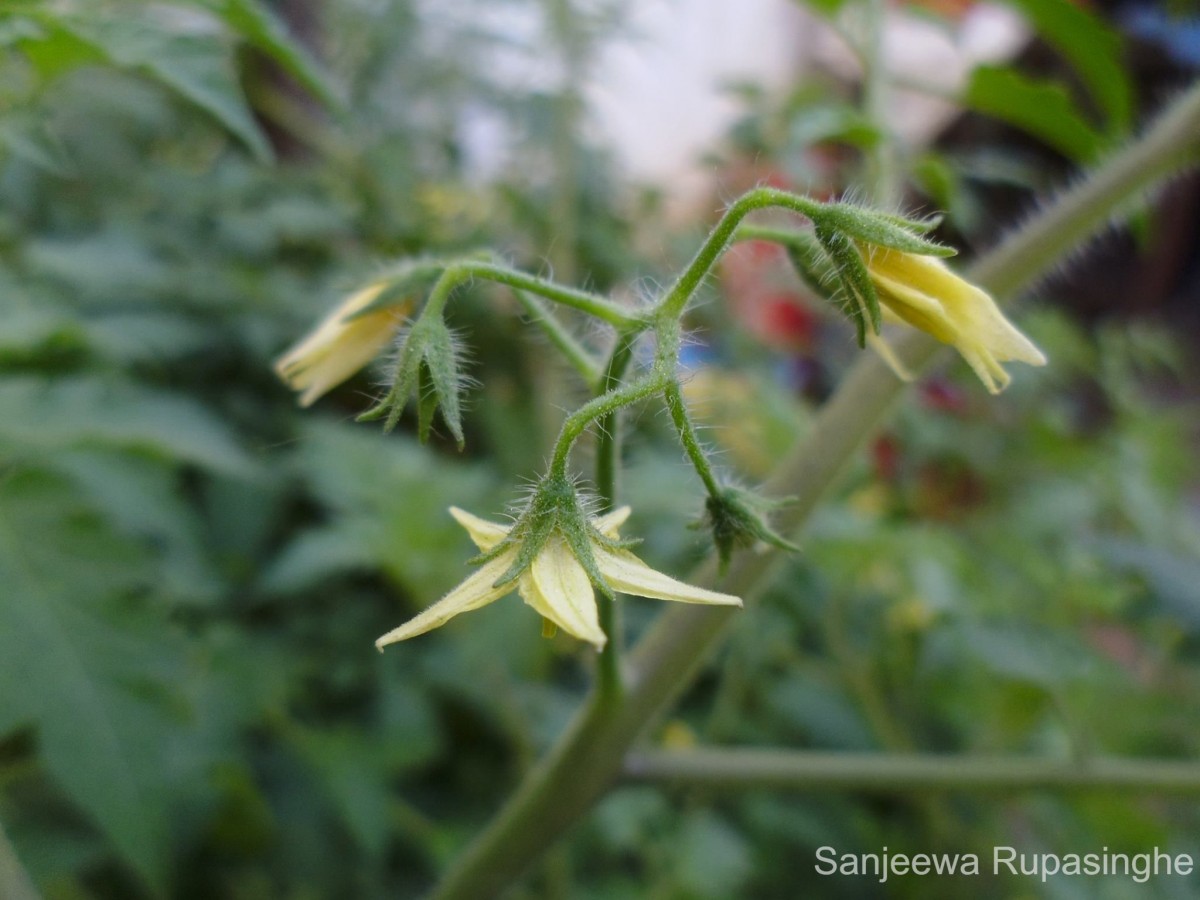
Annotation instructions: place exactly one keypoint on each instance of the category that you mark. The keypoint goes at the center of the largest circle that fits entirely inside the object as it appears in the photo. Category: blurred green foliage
(193, 572)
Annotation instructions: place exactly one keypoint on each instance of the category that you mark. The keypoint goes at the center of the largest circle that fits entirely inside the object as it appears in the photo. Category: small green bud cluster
(738, 519)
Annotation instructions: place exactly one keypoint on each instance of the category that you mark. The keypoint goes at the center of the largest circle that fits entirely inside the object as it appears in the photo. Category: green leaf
(66, 666)
(262, 29)
(1172, 578)
(314, 555)
(54, 51)
(1043, 109)
(713, 860)
(29, 336)
(141, 499)
(198, 67)
(390, 497)
(1093, 48)
(37, 416)
(822, 122)
(27, 138)
(353, 774)
(1028, 653)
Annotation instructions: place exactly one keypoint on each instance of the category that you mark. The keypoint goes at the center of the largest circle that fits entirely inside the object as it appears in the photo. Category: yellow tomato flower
(340, 345)
(554, 584)
(923, 292)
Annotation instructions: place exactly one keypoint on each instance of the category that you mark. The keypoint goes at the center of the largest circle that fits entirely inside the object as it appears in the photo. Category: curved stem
(898, 773)
(593, 304)
(597, 408)
(687, 437)
(673, 302)
(574, 352)
(588, 757)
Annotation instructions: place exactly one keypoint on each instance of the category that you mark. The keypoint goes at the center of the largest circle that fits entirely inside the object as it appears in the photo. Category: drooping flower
(923, 292)
(344, 341)
(555, 584)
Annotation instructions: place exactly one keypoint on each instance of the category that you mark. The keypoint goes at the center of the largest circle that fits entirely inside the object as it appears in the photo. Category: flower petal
(925, 293)
(608, 523)
(888, 355)
(559, 589)
(474, 591)
(485, 534)
(626, 573)
(340, 345)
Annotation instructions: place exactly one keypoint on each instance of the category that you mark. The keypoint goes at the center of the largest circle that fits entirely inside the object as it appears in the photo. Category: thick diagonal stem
(588, 757)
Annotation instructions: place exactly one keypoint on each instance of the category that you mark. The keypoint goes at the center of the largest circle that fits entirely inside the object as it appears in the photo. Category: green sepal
(923, 225)
(441, 369)
(554, 506)
(737, 519)
(579, 540)
(880, 229)
(863, 303)
(427, 402)
(812, 264)
(405, 378)
(428, 366)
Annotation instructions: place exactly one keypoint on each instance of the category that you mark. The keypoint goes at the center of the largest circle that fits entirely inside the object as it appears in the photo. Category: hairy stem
(597, 408)
(461, 272)
(566, 344)
(687, 437)
(673, 302)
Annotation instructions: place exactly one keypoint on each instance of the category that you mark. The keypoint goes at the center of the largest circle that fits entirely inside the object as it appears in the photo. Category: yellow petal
(473, 592)
(608, 523)
(912, 305)
(558, 587)
(341, 344)
(924, 292)
(485, 534)
(626, 573)
(884, 349)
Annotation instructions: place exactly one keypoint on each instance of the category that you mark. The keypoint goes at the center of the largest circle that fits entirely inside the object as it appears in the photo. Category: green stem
(902, 773)
(1171, 144)
(671, 306)
(784, 236)
(588, 757)
(597, 408)
(608, 458)
(687, 437)
(463, 271)
(573, 351)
